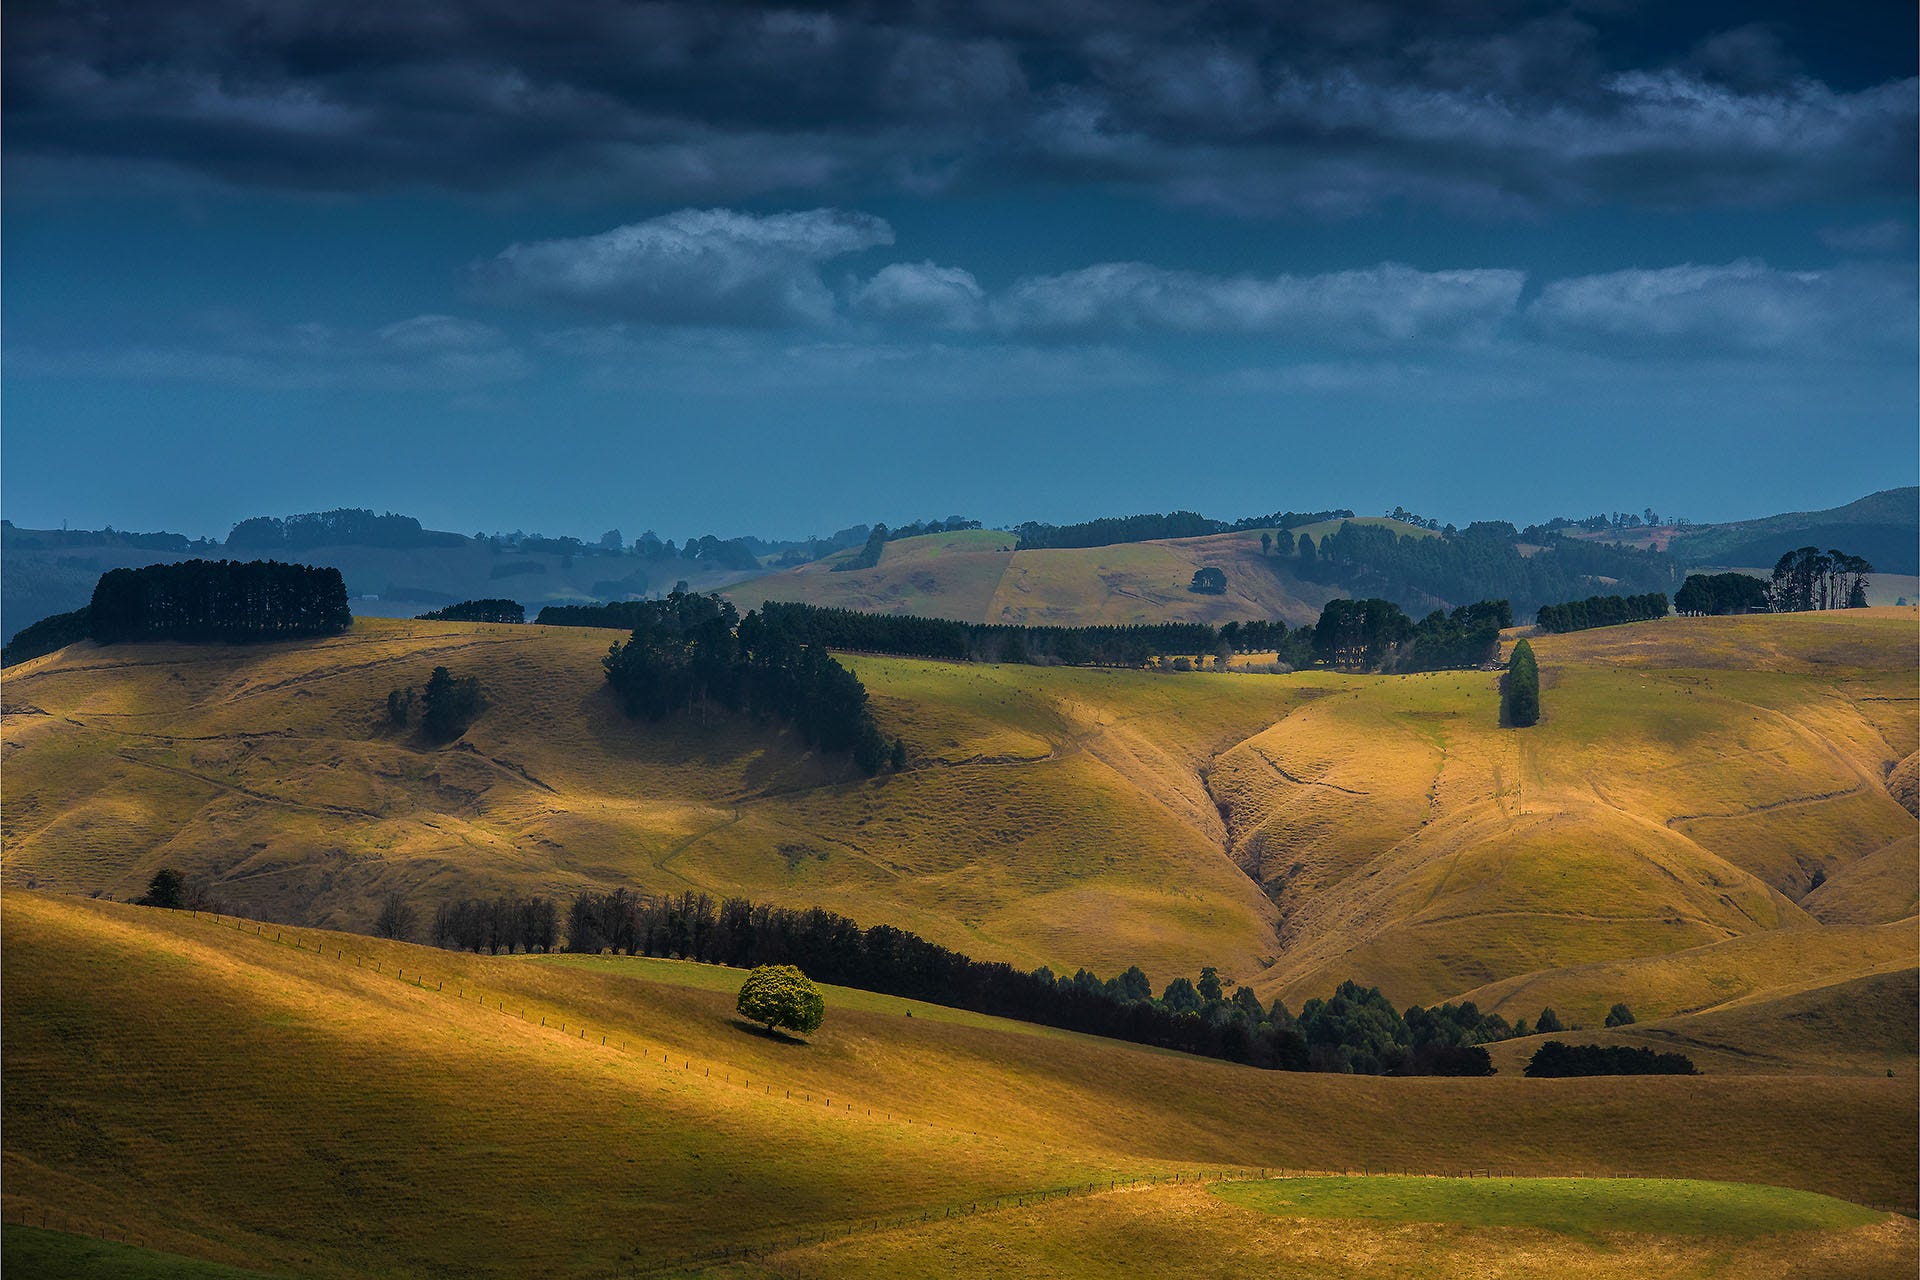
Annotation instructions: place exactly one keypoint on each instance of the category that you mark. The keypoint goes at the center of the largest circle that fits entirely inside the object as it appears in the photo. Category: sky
(719, 267)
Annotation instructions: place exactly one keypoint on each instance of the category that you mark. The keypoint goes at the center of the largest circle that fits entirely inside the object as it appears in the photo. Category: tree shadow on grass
(766, 1033)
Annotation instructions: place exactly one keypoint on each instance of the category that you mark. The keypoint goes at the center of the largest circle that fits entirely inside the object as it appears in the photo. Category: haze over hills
(973, 575)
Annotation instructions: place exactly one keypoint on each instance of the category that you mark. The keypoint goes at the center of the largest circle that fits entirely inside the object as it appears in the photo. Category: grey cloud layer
(697, 266)
(724, 269)
(1333, 108)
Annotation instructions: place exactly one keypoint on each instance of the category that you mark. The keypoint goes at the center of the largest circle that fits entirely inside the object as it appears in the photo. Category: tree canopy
(779, 995)
(1521, 690)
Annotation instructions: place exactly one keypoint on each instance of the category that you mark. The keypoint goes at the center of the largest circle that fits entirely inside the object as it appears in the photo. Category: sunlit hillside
(1693, 784)
(977, 576)
(308, 1103)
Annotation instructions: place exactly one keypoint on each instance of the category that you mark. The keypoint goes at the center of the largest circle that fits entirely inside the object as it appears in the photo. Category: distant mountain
(1884, 527)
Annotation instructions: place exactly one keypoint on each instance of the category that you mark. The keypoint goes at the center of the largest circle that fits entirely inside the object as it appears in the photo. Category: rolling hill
(1690, 783)
(299, 1102)
(978, 577)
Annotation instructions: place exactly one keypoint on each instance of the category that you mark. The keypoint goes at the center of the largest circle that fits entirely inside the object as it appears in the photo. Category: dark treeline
(1602, 611)
(979, 642)
(1374, 635)
(695, 652)
(1356, 1030)
(1714, 594)
(1365, 635)
(1810, 579)
(1482, 561)
(489, 610)
(621, 615)
(356, 527)
(510, 923)
(17, 539)
(46, 635)
(218, 600)
(1556, 1060)
(1112, 530)
(869, 555)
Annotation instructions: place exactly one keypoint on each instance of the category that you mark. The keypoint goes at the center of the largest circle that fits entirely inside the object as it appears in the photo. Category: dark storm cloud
(1334, 108)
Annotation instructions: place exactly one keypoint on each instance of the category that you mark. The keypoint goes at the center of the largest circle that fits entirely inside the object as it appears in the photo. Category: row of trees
(506, 923)
(345, 526)
(969, 641)
(1355, 1030)
(1113, 530)
(1602, 611)
(1715, 594)
(230, 600)
(1554, 1060)
(691, 652)
(1814, 579)
(493, 609)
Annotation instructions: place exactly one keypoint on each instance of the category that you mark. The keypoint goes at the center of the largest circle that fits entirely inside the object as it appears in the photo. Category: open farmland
(1691, 784)
(306, 1103)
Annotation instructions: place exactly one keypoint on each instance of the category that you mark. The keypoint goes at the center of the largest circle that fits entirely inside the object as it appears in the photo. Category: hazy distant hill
(49, 571)
(1884, 527)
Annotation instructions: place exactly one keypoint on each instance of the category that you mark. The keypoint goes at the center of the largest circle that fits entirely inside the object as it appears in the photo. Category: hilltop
(329, 1105)
(1694, 783)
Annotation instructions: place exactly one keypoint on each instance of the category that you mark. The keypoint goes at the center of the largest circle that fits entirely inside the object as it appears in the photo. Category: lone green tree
(1619, 1016)
(779, 995)
(1522, 691)
(168, 889)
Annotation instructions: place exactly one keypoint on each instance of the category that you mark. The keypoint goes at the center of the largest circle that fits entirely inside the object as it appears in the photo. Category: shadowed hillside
(310, 1103)
(1690, 784)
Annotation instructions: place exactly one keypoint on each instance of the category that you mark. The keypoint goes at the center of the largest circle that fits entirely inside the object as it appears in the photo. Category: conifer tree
(1522, 690)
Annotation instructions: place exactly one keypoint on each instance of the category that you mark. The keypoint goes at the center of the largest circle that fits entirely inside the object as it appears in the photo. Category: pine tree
(1522, 687)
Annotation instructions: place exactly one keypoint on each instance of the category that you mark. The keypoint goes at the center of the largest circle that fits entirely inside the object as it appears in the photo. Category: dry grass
(241, 1100)
(1188, 1231)
(1670, 800)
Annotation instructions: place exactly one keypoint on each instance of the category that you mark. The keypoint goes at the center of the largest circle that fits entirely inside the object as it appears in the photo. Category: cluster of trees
(346, 526)
(869, 555)
(695, 651)
(217, 600)
(171, 891)
(1356, 1030)
(1375, 635)
(1814, 579)
(1113, 530)
(1602, 611)
(1557, 1060)
(1715, 594)
(1520, 688)
(449, 704)
(1209, 581)
(507, 923)
(1482, 561)
(492, 609)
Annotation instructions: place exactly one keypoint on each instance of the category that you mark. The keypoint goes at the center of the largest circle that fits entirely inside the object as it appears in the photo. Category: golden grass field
(976, 576)
(1655, 839)
(300, 1102)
